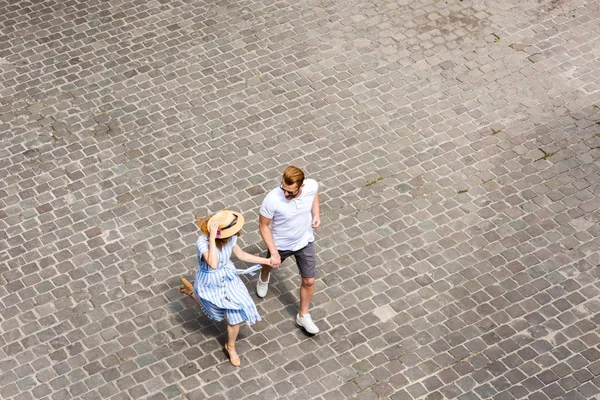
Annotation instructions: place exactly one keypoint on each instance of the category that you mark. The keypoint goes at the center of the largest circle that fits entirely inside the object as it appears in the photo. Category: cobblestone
(457, 147)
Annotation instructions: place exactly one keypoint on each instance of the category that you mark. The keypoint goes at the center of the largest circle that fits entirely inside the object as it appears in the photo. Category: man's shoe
(307, 323)
(262, 287)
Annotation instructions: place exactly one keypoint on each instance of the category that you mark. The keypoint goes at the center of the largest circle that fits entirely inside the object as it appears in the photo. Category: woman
(218, 290)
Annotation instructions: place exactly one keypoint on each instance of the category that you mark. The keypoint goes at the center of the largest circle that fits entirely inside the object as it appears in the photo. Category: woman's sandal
(187, 288)
(234, 361)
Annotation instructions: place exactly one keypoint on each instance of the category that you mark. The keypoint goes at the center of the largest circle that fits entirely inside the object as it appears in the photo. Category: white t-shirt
(291, 223)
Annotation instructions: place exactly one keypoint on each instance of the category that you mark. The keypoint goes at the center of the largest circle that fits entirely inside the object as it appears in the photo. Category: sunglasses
(295, 192)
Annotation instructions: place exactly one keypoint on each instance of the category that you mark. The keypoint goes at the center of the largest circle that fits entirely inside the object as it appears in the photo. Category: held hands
(275, 260)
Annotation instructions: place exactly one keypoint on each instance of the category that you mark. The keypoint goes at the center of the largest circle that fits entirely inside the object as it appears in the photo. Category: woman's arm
(249, 258)
(212, 255)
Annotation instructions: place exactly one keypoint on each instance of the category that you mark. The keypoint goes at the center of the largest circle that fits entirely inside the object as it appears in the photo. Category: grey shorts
(306, 259)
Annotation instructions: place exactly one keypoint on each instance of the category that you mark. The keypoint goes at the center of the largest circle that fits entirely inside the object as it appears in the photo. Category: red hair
(293, 175)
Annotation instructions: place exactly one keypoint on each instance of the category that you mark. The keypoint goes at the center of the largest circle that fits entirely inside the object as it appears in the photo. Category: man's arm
(316, 212)
(264, 225)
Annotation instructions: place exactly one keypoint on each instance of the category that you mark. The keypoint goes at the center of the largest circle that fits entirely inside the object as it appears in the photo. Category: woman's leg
(195, 299)
(232, 334)
(188, 289)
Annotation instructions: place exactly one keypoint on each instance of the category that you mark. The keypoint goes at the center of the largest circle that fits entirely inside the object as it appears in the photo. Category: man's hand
(316, 221)
(275, 260)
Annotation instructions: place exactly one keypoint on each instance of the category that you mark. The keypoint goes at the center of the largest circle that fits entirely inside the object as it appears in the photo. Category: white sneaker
(262, 287)
(307, 323)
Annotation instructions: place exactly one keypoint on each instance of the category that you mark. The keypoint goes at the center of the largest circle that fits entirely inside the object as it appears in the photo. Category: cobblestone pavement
(457, 144)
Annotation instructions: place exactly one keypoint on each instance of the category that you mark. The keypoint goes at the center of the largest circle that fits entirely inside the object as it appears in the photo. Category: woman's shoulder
(202, 241)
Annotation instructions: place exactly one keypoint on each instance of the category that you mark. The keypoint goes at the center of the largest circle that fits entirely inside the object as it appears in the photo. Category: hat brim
(232, 230)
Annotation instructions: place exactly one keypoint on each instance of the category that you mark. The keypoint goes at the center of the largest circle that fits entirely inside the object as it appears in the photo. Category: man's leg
(262, 283)
(307, 266)
(306, 260)
(264, 273)
(307, 290)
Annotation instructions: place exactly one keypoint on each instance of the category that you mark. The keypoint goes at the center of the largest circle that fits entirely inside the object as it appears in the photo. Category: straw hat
(230, 223)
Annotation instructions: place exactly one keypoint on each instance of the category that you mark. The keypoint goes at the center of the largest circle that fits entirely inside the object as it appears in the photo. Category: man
(288, 215)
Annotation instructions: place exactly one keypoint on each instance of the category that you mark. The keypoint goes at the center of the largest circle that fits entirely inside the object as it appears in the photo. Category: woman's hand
(213, 229)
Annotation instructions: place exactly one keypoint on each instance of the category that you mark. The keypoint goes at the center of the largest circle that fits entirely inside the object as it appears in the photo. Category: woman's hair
(293, 175)
(203, 224)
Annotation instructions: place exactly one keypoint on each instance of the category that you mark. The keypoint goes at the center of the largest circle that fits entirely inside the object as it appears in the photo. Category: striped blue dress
(220, 291)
